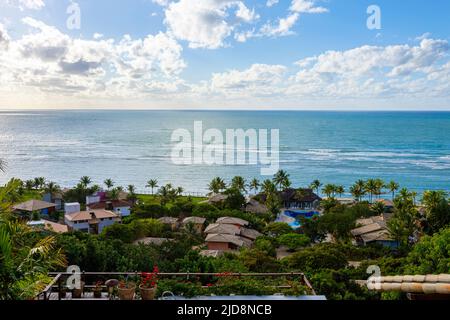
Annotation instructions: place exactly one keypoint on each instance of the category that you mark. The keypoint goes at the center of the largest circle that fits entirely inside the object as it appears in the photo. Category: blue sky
(296, 54)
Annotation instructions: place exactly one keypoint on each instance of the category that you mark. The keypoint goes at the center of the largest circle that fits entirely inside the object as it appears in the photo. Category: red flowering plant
(149, 280)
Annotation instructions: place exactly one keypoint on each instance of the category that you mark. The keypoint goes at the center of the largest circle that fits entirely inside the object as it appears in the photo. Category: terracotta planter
(77, 293)
(148, 293)
(127, 293)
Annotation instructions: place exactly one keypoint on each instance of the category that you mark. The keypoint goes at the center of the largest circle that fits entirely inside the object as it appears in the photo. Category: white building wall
(123, 211)
(72, 207)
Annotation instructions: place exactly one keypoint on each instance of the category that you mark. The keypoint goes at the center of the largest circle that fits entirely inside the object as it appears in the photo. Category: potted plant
(126, 290)
(98, 290)
(149, 284)
(78, 292)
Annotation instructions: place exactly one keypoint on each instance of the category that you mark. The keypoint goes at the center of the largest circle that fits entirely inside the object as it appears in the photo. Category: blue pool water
(290, 217)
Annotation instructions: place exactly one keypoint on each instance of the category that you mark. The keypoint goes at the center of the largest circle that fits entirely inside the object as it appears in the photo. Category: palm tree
(329, 190)
(152, 183)
(340, 190)
(217, 185)
(114, 194)
(357, 192)
(254, 185)
(238, 183)
(29, 185)
(179, 191)
(432, 199)
(25, 262)
(393, 187)
(281, 179)
(404, 194)
(371, 188)
(414, 196)
(315, 185)
(268, 187)
(131, 189)
(379, 187)
(39, 183)
(85, 181)
(109, 183)
(52, 188)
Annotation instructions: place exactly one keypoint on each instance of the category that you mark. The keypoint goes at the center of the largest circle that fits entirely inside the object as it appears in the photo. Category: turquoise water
(291, 217)
(134, 146)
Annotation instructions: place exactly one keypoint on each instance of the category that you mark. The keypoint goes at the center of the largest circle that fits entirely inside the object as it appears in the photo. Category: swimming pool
(290, 217)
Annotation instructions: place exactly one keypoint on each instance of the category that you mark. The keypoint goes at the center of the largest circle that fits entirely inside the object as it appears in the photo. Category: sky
(225, 54)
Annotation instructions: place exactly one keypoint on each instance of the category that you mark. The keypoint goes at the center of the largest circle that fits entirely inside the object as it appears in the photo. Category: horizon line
(226, 109)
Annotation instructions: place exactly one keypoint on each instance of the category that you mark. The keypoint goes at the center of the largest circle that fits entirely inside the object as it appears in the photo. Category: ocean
(131, 147)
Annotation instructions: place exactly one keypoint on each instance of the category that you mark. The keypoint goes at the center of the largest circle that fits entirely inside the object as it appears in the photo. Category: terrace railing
(54, 290)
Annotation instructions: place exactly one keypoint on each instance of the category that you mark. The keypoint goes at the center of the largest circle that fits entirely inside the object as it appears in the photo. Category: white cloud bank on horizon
(47, 68)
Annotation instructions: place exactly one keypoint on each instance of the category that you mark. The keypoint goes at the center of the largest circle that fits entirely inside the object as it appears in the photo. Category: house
(216, 199)
(57, 198)
(297, 199)
(301, 199)
(229, 234)
(120, 207)
(31, 206)
(218, 228)
(72, 207)
(197, 222)
(250, 234)
(225, 242)
(234, 221)
(51, 226)
(255, 207)
(373, 230)
(169, 221)
(93, 221)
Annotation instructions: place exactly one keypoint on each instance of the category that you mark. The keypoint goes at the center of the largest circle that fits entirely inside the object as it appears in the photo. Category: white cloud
(371, 70)
(306, 6)
(271, 3)
(27, 4)
(50, 61)
(206, 23)
(162, 3)
(4, 37)
(284, 25)
(255, 77)
(245, 14)
(48, 65)
(97, 36)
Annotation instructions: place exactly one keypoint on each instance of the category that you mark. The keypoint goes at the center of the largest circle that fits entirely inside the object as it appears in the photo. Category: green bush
(293, 241)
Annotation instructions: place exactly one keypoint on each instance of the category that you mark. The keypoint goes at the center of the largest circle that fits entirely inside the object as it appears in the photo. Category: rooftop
(231, 220)
(33, 205)
(114, 203)
(225, 238)
(219, 228)
(194, 220)
(50, 226)
(87, 215)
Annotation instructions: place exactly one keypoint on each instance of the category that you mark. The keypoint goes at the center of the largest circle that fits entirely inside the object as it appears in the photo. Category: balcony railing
(55, 290)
